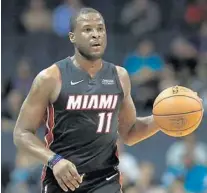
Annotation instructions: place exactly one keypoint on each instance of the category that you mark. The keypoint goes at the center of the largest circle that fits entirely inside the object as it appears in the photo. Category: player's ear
(72, 37)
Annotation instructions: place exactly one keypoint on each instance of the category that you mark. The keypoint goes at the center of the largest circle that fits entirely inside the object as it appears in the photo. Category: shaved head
(83, 11)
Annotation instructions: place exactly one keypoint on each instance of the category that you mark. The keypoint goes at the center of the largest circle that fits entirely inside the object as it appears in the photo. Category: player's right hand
(67, 175)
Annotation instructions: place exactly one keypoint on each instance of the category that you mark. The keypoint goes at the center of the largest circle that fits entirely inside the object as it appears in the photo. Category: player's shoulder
(48, 75)
(63, 61)
(120, 70)
(123, 77)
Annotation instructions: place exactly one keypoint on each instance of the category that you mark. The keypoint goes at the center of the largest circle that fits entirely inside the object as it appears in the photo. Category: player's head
(88, 33)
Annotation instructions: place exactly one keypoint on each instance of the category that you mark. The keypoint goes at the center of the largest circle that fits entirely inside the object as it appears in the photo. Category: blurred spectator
(203, 38)
(199, 83)
(24, 77)
(20, 176)
(196, 12)
(144, 67)
(168, 78)
(128, 165)
(142, 16)
(6, 169)
(5, 89)
(146, 182)
(11, 109)
(182, 156)
(21, 80)
(195, 176)
(183, 58)
(200, 42)
(176, 187)
(204, 97)
(200, 39)
(131, 189)
(62, 15)
(176, 10)
(176, 152)
(37, 18)
(14, 102)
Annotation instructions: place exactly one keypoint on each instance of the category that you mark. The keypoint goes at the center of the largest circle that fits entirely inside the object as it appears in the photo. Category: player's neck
(90, 66)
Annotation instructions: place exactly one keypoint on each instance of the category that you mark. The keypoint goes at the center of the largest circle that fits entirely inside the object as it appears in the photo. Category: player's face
(90, 36)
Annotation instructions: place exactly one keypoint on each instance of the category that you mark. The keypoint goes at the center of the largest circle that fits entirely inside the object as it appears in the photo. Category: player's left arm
(132, 129)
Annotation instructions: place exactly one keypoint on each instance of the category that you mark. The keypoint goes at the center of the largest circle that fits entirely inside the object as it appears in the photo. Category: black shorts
(101, 181)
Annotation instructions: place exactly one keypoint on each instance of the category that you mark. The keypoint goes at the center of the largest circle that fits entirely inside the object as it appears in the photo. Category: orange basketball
(178, 111)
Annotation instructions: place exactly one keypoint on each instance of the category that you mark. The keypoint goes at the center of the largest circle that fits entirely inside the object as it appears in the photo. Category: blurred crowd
(185, 171)
(160, 43)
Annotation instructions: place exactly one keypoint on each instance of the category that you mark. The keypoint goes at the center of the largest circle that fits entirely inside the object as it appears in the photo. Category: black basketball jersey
(82, 124)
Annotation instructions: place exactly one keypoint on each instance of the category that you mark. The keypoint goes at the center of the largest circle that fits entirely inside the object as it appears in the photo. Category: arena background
(166, 39)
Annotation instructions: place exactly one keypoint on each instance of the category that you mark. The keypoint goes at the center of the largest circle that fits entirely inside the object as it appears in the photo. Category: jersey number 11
(104, 119)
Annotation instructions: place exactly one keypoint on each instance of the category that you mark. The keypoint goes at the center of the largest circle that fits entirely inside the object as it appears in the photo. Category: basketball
(178, 111)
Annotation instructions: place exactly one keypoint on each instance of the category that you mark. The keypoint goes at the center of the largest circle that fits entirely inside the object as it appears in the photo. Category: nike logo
(109, 178)
(74, 83)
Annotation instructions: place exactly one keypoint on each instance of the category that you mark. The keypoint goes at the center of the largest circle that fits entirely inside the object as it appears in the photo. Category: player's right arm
(31, 116)
(45, 89)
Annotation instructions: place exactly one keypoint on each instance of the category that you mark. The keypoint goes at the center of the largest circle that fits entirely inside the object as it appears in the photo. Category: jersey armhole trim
(60, 81)
(60, 75)
(118, 81)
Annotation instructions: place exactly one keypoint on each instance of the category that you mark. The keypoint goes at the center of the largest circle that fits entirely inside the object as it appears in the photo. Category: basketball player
(88, 102)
